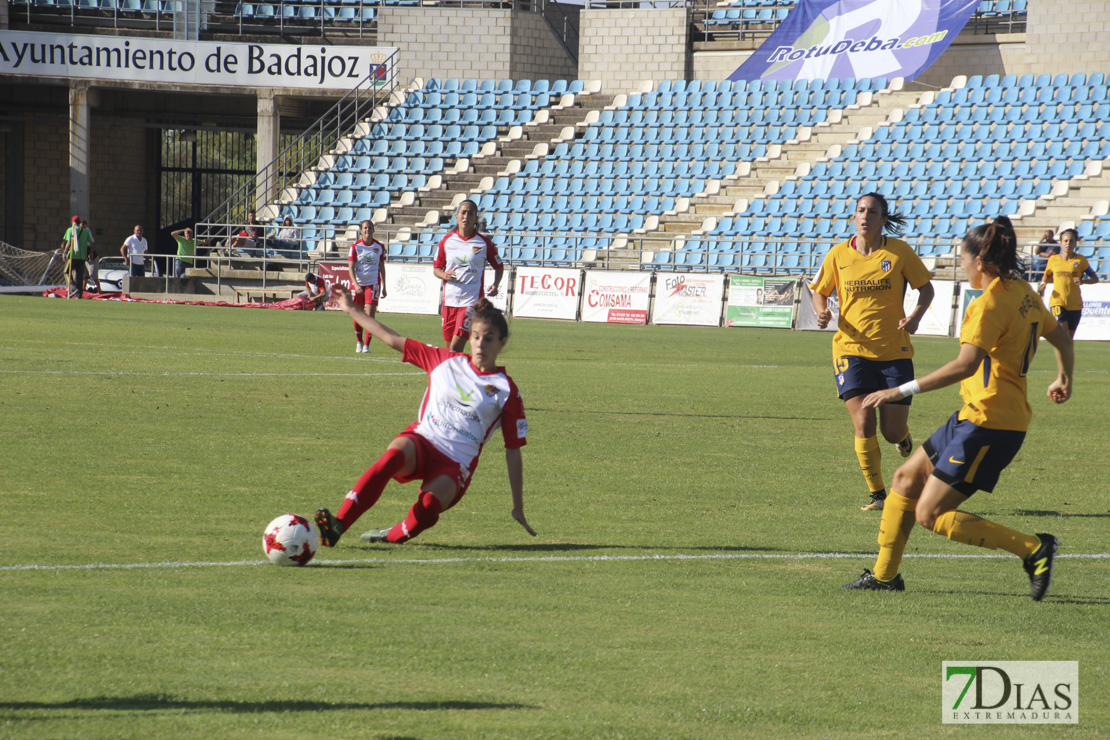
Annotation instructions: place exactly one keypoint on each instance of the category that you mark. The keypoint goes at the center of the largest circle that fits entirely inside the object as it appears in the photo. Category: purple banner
(836, 39)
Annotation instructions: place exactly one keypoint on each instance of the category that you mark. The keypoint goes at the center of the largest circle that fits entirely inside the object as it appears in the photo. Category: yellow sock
(894, 530)
(870, 462)
(960, 526)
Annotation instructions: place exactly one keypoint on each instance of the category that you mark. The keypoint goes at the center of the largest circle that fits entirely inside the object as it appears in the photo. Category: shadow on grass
(1062, 514)
(672, 414)
(1051, 598)
(545, 549)
(156, 702)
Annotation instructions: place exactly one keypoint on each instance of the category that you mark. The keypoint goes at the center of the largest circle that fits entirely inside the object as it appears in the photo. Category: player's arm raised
(380, 331)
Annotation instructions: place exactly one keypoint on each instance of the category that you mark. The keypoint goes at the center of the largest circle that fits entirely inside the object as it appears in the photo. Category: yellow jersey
(1065, 274)
(1006, 321)
(871, 291)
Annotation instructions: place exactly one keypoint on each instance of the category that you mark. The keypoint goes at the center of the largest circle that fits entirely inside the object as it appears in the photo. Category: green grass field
(697, 503)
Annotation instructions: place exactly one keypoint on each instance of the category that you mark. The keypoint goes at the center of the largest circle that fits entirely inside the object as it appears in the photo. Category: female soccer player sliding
(871, 348)
(998, 339)
(467, 399)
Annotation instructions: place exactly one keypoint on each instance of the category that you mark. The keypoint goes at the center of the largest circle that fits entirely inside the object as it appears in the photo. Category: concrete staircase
(762, 177)
(434, 205)
(1081, 198)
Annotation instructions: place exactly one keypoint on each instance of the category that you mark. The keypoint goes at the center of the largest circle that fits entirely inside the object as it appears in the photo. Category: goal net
(20, 267)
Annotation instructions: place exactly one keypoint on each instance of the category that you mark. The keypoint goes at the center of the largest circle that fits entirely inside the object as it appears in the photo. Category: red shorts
(374, 291)
(456, 322)
(431, 463)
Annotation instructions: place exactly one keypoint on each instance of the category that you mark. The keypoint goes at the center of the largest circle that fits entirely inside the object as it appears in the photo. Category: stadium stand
(983, 146)
(680, 174)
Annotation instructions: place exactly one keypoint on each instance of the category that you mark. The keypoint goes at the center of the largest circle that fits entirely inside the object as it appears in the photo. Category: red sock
(358, 331)
(423, 515)
(369, 487)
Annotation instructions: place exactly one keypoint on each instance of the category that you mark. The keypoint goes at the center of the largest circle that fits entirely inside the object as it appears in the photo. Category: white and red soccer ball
(290, 540)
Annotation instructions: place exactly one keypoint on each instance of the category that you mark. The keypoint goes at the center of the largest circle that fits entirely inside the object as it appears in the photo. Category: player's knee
(926, 516)
(908, 480)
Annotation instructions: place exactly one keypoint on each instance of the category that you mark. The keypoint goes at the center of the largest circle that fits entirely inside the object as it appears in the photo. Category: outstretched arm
(1060, 389)
(964, 366)
(515, 464)
(377, 329)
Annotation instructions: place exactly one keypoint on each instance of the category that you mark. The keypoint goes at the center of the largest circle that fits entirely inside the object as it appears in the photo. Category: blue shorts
(1064, 316)
(858, 376)
(969, 457)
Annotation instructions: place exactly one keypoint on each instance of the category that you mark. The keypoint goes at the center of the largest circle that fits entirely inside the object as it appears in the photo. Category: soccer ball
(290, 540)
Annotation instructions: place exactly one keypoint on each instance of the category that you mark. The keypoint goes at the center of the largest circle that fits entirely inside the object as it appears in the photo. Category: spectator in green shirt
(75, 248)
(186, 248)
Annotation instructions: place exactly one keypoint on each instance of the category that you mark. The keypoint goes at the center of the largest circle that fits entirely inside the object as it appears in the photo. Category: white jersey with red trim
(464, 406)
(368, 259)
(468, 258)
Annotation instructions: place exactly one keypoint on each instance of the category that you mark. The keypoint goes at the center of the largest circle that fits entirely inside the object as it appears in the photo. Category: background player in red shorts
(467, 399)
(366, 265)
(461, 263)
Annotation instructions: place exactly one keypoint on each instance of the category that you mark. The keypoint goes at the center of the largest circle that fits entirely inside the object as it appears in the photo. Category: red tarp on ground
(296, 303)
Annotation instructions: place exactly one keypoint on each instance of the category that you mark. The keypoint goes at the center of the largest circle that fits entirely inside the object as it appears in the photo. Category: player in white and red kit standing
(366, 265)
(461, 263)
(468, 398)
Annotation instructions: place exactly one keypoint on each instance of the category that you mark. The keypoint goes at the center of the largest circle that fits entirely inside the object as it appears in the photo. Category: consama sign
(191, 62)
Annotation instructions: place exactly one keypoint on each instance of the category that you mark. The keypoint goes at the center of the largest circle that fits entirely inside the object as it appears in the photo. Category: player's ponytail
(487, 313)
(996, 245)
(894, 223)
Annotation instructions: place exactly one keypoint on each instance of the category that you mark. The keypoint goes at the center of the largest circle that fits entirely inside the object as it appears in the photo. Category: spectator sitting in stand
(1047, 247)
(288, 239)
(248, 238)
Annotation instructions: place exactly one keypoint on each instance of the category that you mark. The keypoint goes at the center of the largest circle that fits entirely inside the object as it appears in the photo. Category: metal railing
(304, 153)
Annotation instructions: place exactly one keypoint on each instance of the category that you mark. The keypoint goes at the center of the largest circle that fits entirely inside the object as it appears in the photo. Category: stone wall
(473, 43)
(624, 47)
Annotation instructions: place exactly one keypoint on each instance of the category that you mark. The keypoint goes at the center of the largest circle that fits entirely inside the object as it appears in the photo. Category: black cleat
(375, 535)
(905, 447)
(1039, 566)
(329, 528)
(868, 582)
(876, 503)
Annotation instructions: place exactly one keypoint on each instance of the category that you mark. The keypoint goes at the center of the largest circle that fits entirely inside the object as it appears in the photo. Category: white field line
(542, 559)
(201, 351)
(115, 373)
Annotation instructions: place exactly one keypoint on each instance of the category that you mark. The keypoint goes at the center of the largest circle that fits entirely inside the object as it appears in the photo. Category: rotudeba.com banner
(135, 59)
(836, 39)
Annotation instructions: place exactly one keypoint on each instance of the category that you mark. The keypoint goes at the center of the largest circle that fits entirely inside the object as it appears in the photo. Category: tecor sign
(1010, 692)
(191, 62)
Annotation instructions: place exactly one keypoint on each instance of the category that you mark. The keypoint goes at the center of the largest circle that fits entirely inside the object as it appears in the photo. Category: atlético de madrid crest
(885, 264)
